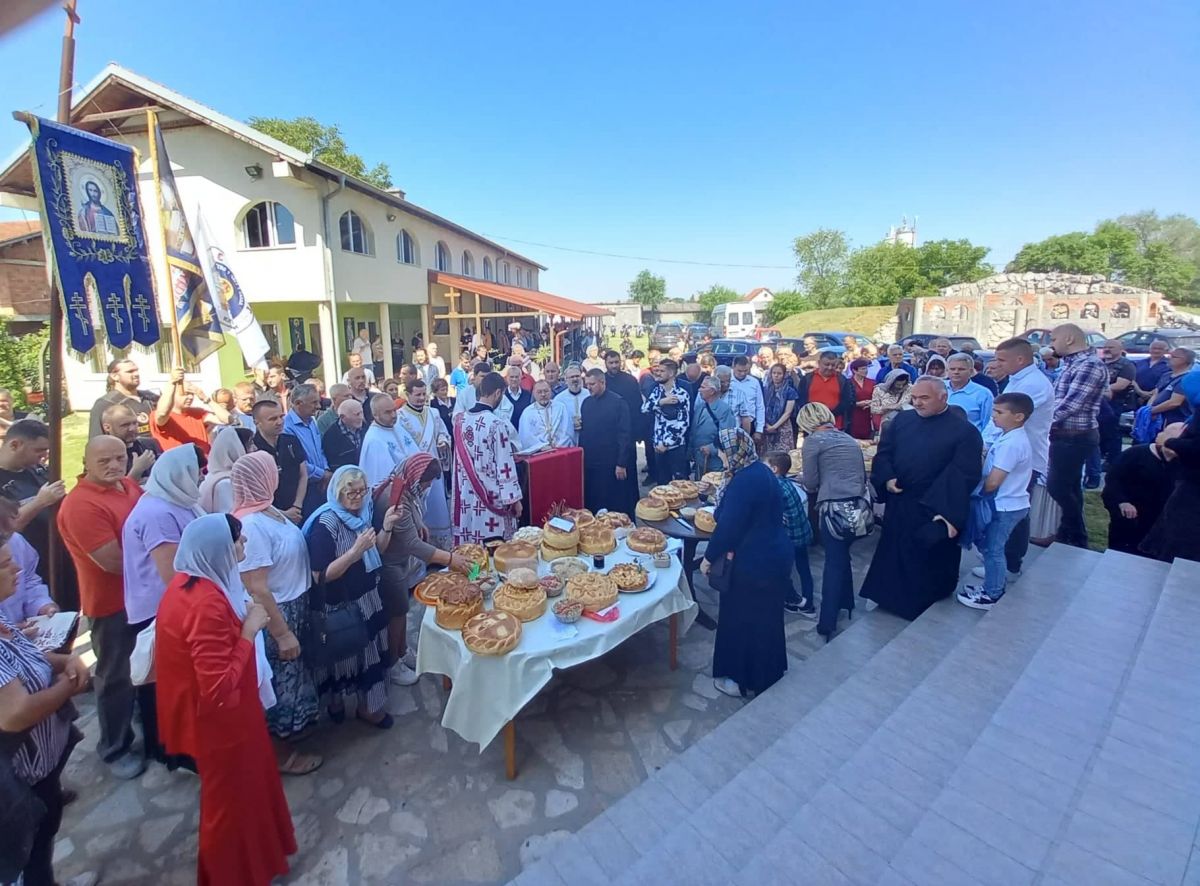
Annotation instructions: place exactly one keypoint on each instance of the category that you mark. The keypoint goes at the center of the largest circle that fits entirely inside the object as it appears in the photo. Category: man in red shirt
(830, 387)
(90, 521)
(178, 420)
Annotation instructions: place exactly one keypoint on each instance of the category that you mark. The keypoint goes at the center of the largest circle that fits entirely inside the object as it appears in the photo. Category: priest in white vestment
(487, 494)
(424, 424)
(385, 444)
(572, 399)
(544, 423)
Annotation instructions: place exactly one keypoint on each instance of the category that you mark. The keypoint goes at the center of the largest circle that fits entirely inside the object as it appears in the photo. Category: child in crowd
(1007, 470)
(795, 520)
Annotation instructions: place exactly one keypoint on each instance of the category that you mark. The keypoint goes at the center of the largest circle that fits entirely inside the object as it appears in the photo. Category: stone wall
(1004, 305)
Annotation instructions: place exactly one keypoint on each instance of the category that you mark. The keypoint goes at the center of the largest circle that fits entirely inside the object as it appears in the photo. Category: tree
(1074, 253)
(885, 273)
(786, 303)
(20, 359)
(648, 290)
(946, 262)
(324, 143)
(716, 295)
(821, 259)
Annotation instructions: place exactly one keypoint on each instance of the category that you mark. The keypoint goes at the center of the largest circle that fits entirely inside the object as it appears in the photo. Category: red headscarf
(255, 478)
(408, 477)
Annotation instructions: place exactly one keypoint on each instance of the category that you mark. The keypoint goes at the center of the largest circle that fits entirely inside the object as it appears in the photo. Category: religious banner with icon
(296, 328)
(197, 326)
(97, 242)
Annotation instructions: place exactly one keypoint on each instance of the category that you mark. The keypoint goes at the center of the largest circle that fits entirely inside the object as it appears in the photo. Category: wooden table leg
(673, 631)
(446, 684)
(510, 750)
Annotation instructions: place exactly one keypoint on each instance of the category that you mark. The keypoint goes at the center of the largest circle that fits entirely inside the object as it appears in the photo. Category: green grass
(74, 438)
(1095, 515)
(863, 320)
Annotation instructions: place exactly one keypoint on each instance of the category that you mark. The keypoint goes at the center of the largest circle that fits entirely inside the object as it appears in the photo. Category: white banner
(229, 302)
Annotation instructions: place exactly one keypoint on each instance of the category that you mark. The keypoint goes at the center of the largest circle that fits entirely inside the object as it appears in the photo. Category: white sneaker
(728, 686)
(403, 675)
(409, 659)
(979, 572)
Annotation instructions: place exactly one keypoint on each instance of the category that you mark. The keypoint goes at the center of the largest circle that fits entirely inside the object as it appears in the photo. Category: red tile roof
(750, 296)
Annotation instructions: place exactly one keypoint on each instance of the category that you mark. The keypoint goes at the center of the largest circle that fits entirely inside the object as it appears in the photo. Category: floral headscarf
(255, 479)
(405, 482)
(738, 447)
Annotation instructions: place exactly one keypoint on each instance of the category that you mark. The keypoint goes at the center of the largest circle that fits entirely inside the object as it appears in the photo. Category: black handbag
(336, 632)
(720, 574)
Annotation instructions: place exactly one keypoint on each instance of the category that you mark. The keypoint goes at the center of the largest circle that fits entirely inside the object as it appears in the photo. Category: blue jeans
(806, 579)
(992, 549)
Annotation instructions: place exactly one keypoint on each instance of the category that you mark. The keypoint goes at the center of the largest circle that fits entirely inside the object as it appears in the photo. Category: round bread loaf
(593, 590)
(689, 489)
(558, 539)
(630, 577)
(549, 553)
(646, 540)
(524, 579)
(705, 521)
(458, 604)
(492, 633)
(582, 517)
(474, 554)
(524, 604)
(515, 555)
(672, 496)
(597, 540)
(433, 586)
(652, 508)
(614, 520)
(714, 478)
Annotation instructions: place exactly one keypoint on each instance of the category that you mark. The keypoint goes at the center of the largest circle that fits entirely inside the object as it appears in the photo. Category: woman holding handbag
(276, 573)
(834, 473)
(344, 556)
(748, 560)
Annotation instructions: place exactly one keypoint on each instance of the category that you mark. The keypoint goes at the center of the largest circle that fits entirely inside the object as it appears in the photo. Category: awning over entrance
(537, 302)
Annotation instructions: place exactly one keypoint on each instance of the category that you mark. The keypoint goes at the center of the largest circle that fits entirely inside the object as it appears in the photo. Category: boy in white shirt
(1007, 470)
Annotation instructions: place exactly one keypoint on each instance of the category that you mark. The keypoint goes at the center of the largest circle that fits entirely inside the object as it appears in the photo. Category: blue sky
(703, 132)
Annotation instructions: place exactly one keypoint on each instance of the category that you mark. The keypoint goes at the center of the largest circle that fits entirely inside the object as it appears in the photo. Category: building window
(444, 262)
(468, 264)
(504, 272)
(268, 224)
(356, 236)
(529, 278)
(487, 268)
(406, 249)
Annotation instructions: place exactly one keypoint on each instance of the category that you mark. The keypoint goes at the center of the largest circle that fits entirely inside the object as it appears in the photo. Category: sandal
(301, 764)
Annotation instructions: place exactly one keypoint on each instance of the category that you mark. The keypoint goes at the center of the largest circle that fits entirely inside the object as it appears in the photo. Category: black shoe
(793, 607)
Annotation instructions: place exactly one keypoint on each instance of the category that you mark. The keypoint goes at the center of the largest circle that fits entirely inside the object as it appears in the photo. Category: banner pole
(152, 138)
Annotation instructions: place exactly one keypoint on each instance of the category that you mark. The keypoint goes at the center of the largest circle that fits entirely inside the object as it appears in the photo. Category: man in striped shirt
(1074, 426)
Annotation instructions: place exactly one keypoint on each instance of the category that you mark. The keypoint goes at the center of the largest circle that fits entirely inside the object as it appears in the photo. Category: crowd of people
(269, 538)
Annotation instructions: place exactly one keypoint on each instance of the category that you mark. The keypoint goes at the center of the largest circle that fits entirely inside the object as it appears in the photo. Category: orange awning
(538, 302)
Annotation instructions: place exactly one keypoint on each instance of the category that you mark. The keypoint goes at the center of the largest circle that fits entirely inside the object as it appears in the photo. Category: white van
(734, 320)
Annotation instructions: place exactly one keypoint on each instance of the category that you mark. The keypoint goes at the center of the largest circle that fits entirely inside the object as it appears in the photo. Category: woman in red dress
(213, 684)
(860, 423)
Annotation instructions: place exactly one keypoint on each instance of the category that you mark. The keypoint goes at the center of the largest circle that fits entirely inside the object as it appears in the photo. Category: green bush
(21, 357)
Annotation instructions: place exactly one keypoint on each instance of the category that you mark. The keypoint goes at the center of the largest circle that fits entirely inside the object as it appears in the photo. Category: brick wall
(23, 288)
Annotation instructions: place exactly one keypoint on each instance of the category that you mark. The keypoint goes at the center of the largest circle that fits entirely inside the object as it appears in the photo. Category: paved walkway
(417, 804)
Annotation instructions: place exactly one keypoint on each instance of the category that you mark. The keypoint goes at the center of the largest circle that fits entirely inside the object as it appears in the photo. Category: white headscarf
(226, 449)
(175, 477)
(206, 551)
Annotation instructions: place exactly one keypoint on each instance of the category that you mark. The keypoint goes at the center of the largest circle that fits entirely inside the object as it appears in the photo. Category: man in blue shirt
(710, 416)
(895, 360)
(460, 376)
(974, 399)
(301, 424)
(1150, 372)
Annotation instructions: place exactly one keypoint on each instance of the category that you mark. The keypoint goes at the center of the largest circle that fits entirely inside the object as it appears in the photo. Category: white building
(319, 254)
(905, 235)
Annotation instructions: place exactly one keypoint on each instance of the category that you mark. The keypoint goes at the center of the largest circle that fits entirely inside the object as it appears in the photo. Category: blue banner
(91, 213)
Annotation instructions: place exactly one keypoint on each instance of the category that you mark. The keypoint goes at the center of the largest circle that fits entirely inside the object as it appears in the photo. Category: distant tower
(906, 234)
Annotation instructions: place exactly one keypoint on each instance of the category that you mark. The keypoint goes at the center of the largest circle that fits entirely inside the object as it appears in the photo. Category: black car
(1138, 341)
(697, 331)
(666, 336)
(724, 350)
(957, 342)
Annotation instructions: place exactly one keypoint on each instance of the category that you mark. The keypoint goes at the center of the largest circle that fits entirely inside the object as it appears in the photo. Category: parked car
(766, 334)
(1040, 338)
(1138, 341)
(697, 331)
(666, 335)
(958, 342)
(724, 350)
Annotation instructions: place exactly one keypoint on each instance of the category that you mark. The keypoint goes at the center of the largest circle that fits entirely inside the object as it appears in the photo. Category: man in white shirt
(515, 399)
(362, 346)
(356, 362)
(545, 423)
(751, 390)
(431, 351)
(1015, 361)
(468, 395)
(385, 444)
(424, 424)
(572, 399)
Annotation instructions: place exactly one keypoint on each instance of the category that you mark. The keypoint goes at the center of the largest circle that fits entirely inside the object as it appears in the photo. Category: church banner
(95, 234)
(230, 305)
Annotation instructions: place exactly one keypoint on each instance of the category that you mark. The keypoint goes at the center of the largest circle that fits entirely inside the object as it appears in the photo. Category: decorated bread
(524, 604)
(528, 533)
(593, 590)
(630, 577)
(582, 517)
(705, 521)
(687, 487)
(558, 539)
(492, 633)
(473, 554)
(672, 496)
(552, 585)
(614, 520)
(646, 540)
(567, 567)
(597, 540)
(457, 604)
(713, 478)
(429, 590)
(549, 554)
(523, 579)
(652, 508)
(515, 555)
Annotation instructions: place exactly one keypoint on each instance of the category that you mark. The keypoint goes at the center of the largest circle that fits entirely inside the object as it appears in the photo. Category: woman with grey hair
(890, 396)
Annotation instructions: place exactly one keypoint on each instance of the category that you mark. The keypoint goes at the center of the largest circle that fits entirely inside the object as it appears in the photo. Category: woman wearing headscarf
(935, 366)
(1174, 534)
(275, 572)
(779, 398)
(214, 683)
(343, 553)
(149, 541)
(890, 396)
(216, 489)
(592, 360)
(833, 471)
(407, 553)
(749, 653)
(864, 392)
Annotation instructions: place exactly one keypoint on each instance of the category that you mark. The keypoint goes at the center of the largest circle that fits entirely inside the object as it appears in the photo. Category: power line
(669, 261)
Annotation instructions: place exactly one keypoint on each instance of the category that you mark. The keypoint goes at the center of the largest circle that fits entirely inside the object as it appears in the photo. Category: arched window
(268, 224)
(487, 268)
(468, 264)
(444, 262)
(504, 272)
(406, 249)
(356, 236)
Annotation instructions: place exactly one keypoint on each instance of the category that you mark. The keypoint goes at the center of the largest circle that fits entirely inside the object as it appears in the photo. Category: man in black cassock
(609, 459)
(626, 387)
(928, 463)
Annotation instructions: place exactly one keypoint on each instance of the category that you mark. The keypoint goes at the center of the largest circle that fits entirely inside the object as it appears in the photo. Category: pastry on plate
(515, 555)
(689, 489)
(597, 539)
(705, 521)
(528, 533)
(672, 496)
(630, 577)
(593, 590)
(652, 508)
(492, 633)
(432, 587)
(646, 540)
(458, 604)
(525, 604)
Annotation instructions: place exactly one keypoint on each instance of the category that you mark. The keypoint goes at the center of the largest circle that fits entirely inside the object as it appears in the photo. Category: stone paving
(419, 805)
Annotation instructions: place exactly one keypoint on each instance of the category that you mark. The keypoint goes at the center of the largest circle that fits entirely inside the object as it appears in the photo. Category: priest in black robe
(1137, 485)
(609, 459)
(925, 470)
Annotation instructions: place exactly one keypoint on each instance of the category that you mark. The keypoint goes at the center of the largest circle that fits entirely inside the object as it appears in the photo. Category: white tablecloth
(489, 690)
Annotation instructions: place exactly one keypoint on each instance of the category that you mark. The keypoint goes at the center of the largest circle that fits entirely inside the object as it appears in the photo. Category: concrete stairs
(1055, 739)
